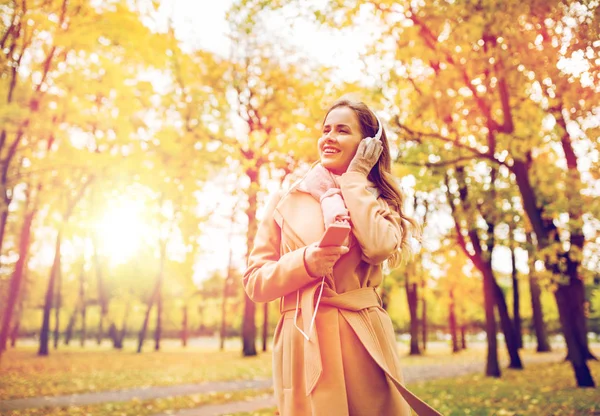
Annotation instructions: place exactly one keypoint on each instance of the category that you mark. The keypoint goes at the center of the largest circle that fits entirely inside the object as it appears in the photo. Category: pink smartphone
(335, 235)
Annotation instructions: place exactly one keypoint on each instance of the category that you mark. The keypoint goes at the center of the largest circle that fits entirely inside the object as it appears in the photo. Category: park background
(140, 140)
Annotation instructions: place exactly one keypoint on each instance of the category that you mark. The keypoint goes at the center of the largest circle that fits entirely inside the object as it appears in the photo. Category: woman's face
(340, 139)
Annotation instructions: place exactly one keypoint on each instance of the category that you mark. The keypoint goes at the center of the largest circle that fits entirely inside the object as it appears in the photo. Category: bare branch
(418, 136)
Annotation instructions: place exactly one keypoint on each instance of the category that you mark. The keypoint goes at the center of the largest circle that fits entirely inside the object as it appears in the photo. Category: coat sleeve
(270, 276)
(374, 224)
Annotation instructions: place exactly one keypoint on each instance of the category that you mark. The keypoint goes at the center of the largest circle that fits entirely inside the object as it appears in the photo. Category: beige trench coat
(349, 365)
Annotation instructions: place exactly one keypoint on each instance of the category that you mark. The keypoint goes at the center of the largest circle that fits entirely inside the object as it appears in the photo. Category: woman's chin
(332, 166)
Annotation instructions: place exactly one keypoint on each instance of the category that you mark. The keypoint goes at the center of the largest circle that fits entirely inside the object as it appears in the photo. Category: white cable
(312, 320)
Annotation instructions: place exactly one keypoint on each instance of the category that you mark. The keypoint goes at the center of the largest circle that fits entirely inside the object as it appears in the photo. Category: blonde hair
(381, 175)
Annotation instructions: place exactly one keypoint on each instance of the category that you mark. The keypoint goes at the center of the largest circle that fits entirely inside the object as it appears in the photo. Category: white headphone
(379, 130)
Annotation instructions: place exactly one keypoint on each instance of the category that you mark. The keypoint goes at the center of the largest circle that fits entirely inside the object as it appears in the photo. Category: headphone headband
(379, 129)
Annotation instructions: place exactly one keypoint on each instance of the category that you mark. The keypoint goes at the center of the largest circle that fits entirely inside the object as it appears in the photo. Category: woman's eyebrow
(339, 125)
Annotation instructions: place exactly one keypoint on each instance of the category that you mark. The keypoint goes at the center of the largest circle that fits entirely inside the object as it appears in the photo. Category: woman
(334, 347)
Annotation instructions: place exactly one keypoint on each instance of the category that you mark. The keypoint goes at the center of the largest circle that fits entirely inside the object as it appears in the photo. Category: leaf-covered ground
(75, 370)
(72, 370)
(145, 407)
(539, 390)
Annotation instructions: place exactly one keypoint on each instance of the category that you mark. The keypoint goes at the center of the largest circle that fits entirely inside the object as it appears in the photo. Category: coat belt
(353, 307)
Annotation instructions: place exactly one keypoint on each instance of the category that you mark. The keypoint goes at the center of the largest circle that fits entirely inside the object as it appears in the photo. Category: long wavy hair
(381, 176)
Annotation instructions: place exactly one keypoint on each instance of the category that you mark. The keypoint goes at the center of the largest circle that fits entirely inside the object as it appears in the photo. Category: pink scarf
(322, 185)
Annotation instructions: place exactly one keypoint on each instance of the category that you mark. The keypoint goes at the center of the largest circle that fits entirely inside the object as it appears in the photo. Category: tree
(278, 107)
(539, 325)
(474, 67)
(70, 204)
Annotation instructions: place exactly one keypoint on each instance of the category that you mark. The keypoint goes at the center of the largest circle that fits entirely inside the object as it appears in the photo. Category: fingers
(373, 149)
(334, 250)
(369, 149)
(320, 260)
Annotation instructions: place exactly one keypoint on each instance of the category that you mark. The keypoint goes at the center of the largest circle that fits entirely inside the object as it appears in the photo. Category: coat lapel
(300, 218)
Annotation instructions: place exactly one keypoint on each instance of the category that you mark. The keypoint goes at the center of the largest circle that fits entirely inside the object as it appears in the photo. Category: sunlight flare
(121, 230)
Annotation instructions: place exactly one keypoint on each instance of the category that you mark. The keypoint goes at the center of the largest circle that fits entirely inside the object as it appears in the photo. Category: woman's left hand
(366, 156)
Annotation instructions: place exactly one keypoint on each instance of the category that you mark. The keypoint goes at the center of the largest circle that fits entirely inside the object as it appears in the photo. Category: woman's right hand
(319, 261)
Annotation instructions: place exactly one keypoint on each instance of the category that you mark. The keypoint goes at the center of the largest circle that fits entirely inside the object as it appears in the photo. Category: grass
(73, 370)
(543, 390)
(539, 390)
(145, 407)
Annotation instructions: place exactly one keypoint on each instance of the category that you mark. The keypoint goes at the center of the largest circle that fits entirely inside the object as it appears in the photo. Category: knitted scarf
(322, 185)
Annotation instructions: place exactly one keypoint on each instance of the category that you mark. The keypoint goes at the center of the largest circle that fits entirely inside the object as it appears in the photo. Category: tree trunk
(567, 300)
(57, 307)
(70, 326)
(573, 191)
(572, 316)
(3, 219)
(489, 283)
(536, 304)
(516, 298)
(577, 306)
(228, 281)
(17, 279)
(158, 331)
(184, 326)
(413, 299)
(463, 337)
(223, 331)
(113, 334)
(538, 315)
(83, 334)
(508, 330)
(117, 336)
(123, 332)
(492, 366)
(153, 297)
(100, 332)
(249, 322)
(102, 301)
(45, 330)
(423, 316)
(201, 326)
(14, 334)
(452, 323)
(159, 296)
(82, 302)
(142, 334)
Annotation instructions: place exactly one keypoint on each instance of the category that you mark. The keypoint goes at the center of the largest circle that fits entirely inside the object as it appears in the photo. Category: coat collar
(300, 217)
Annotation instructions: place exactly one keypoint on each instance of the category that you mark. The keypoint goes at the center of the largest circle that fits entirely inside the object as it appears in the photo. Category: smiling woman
(121, 230)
